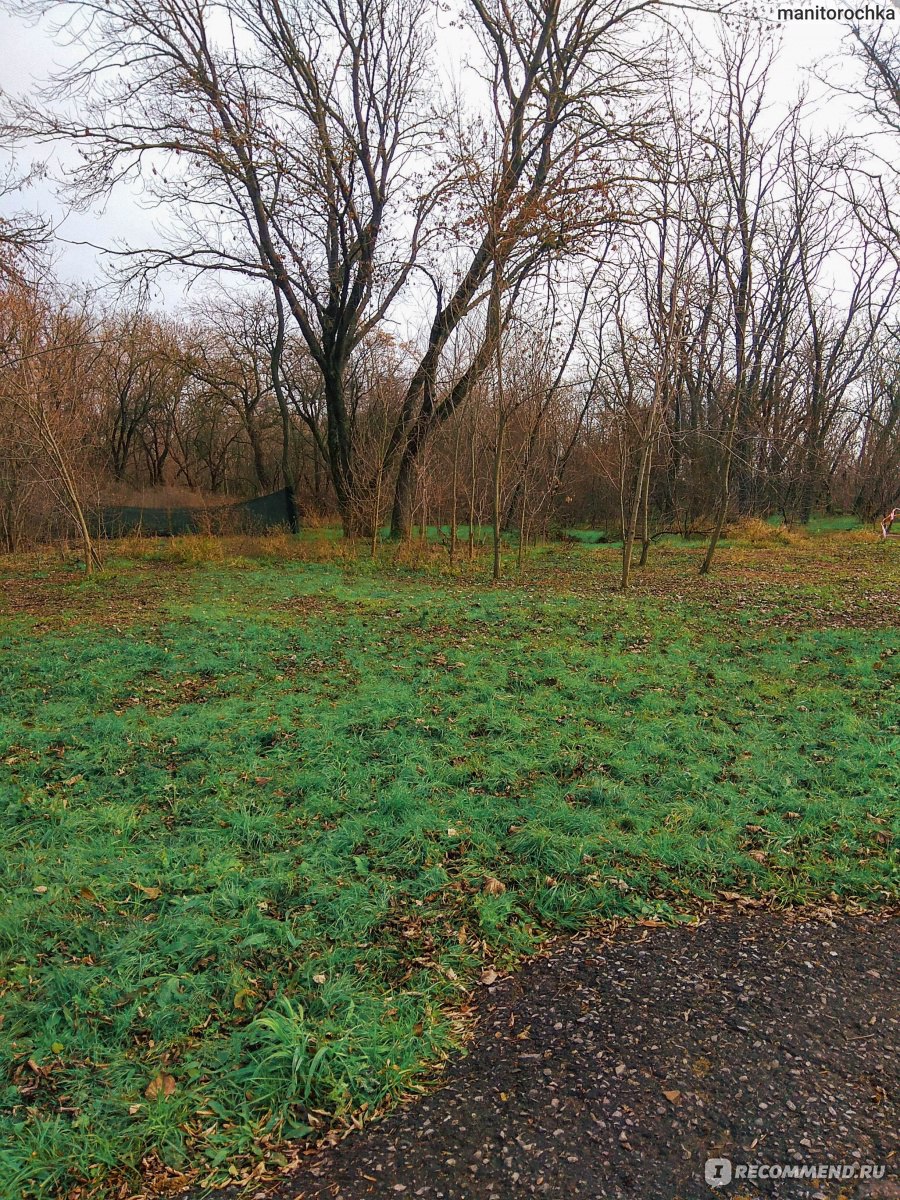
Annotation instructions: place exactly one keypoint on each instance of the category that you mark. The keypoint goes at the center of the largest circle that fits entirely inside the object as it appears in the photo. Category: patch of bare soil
(769, 602)
(61, 597)
(310, 606)
(766, 588)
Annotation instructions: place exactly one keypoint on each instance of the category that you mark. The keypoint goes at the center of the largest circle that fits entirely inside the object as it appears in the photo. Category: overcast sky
(29, 54)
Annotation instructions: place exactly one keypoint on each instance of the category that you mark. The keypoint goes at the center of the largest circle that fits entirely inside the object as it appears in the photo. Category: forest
(624, 285)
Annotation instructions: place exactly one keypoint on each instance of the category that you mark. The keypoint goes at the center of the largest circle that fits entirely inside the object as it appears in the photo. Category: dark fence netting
(247, 516)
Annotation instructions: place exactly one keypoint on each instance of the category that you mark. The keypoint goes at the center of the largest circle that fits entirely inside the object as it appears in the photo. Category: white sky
(28, 54)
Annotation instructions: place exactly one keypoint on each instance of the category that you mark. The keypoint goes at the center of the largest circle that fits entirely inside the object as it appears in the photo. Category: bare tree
(539, 171)
(47, 358)
(287, 137)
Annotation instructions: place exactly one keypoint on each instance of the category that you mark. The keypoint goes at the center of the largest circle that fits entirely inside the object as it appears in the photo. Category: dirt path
(616, 1070)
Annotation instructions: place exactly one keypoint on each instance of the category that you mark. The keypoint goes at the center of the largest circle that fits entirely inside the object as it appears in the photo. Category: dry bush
(866, 535)
(316, 520)
(191, 549)
(416, 553)
(754, 531)
(170, 496)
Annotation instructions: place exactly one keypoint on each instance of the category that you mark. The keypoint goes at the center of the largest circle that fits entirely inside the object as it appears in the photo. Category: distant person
(887, 521)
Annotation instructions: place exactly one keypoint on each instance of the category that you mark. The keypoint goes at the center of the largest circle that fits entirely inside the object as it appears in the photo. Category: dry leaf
(320, 978)
(494, 887)
(162, 1085)
(488, 976)
(759, 856)
(673, 1095)
(152, 893)
(39, 891)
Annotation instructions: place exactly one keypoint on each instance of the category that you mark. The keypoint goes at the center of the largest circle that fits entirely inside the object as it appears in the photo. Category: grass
(269, 808)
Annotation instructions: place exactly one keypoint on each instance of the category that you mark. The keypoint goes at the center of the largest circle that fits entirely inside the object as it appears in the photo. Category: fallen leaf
(488, 976)
(163, 1085)
(320, 978)
(672, 1094)
(152, 893)
(39, 891)
(494, 887)
(759, 856)
(702, 1067)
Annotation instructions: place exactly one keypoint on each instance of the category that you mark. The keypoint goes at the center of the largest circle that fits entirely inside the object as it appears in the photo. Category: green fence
(246, 516)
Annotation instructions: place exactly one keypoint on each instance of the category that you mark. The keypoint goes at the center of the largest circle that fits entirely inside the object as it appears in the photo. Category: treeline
(613, 285)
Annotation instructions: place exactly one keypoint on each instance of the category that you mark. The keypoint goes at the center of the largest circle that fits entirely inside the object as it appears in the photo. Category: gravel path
(615, 1069)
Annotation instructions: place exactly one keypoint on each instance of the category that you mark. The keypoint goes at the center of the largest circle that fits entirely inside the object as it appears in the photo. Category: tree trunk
(522, 523)
(263, 482)
(472, 480)
(288, 466)
(645, 538)
(497, 515)
(91, 555)
(628, 546)
(377, 513)
(722, 507)
(454, 485)
(404, 497)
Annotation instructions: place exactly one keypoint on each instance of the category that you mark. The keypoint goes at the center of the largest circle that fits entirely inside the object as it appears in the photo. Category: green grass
(834, 524)
(249, 808)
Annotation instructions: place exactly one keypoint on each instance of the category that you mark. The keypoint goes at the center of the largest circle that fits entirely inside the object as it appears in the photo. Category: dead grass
(171, 496)
(754, 531)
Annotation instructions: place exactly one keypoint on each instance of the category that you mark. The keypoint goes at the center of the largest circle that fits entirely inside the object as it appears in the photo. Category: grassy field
(268, 810)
